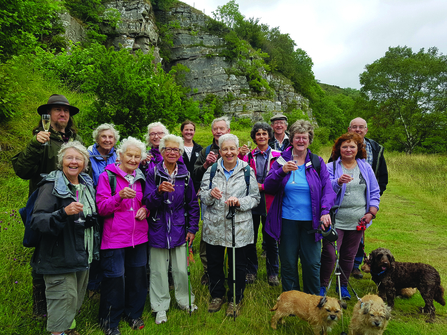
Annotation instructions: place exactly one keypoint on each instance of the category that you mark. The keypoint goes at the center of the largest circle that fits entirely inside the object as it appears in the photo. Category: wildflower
(16, 282)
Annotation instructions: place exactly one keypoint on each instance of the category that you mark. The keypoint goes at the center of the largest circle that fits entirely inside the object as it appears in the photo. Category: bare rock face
(74, 30)
(137, 28)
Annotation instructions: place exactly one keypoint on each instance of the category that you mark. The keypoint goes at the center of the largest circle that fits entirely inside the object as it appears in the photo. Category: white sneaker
(161, 317)
(186, 308)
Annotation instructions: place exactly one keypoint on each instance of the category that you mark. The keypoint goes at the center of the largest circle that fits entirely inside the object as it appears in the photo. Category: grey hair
(366, 123)
(302, 127)
(106, 126)
(175, 139)
(223, 118)
(132, 141)
(78, 147)
(155, 124)
(228, 137)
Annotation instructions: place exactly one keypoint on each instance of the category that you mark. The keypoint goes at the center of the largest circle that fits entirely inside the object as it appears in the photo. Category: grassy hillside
(411, 222)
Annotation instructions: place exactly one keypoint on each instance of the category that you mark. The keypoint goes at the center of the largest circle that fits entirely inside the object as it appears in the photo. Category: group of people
(137, 213)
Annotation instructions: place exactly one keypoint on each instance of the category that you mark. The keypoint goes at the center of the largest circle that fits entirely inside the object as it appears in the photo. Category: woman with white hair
(102, 153)
(173, 223)
(124, 239)
(155, 132)
(227, 184)
(67, 245)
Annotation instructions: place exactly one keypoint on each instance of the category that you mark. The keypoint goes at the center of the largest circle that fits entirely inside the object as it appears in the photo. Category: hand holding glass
(79, 197)
(294, 171)
(132, 186)
(46, 123)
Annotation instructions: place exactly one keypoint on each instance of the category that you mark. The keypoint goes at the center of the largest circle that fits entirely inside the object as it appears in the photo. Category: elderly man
(37, 158)
(376, 159)
(208, 156)
(280, 140)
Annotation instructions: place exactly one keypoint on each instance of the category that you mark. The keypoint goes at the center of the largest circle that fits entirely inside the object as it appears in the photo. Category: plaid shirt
(369, 153)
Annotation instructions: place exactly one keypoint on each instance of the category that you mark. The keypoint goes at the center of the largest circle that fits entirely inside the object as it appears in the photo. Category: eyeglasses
(357, 127)
(278, 123)
(156, 134)
(77, 159)
(169, 150)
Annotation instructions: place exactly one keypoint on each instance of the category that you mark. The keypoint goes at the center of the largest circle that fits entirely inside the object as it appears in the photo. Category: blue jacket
(167, 225)
(98, 163)
(321, 193)
(372, 187)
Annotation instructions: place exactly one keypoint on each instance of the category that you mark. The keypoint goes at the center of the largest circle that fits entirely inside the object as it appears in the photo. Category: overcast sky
(343, 36)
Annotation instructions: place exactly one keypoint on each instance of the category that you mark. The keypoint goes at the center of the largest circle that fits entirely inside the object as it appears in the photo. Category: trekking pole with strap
(230, 215)
(187, 243)
(189, 276)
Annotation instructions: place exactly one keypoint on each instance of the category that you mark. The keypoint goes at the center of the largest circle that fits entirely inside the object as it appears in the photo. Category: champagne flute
(351, 175)
(172, 181)
(294, 171)
(79, 197)
(249, 144)
(132, 187)
(46, 123)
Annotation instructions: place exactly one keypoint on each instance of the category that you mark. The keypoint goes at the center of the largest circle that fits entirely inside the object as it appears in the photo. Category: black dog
(391, 276)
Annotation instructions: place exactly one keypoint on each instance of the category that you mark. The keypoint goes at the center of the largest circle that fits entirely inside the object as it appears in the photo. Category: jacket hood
(116, 170)
(60, 187)
(93, 151)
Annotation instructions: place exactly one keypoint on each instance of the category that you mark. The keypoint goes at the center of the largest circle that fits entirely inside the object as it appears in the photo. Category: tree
(407, 95)
(229, 14)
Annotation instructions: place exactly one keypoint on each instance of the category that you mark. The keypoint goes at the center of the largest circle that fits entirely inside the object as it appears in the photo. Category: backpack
(246, 176)
(315, 163)
(31, 237)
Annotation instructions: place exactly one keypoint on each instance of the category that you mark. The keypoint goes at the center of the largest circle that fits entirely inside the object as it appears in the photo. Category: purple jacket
(372, 187)
(167, 226)
(120, 229)
(156, 158)
(321, 193)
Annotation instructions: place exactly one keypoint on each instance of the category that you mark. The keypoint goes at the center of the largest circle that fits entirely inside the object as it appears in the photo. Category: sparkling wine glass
(249, 144)
(172, 181)
(132, 186)
(46, 123)
(294, 171)
(348, 187)
(79, 197)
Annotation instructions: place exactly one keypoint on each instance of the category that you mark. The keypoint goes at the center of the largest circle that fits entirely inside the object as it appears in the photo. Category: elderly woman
(303, 197)
(102, 153)
(192, 149)
(260, 160)
(173, 223)
(358, 195)
(155, 132)
(66, 247)
(228, 187)
(124, 239)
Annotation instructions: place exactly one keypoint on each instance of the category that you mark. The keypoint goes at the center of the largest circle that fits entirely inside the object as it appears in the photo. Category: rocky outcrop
(137, 28)
(74, 30)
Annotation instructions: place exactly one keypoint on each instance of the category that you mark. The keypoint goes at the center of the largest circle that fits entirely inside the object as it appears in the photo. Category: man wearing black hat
(37, 158)
(280, 140)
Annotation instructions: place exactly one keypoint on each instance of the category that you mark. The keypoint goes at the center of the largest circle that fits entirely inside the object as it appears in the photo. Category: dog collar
(378, 274)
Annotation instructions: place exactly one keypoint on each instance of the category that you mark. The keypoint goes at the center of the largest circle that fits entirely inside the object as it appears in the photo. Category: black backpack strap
(207, 150)
(112, 181)
(315, 162)
(247, 178)
(212, 174)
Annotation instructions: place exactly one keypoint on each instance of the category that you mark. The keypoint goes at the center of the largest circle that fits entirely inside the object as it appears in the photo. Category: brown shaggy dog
(404, 293)
(370, 316)
(391, 276)
(307, 307)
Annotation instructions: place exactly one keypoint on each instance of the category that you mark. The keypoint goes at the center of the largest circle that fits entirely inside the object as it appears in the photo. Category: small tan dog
(370, 316)
(320, 314)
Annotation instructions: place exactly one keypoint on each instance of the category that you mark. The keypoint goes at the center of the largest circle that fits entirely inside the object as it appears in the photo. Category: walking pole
(189, 276)
(231, 215)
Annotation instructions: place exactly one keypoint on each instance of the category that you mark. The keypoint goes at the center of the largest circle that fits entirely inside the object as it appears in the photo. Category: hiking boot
(135, 324)
(250, 278)
(273, 281)
(230, 309)
(357, 274)
(344, 293)
(161, 317)
(186, 308)
(112, 331)
(322, 291)
(205, 280)
(215, 305)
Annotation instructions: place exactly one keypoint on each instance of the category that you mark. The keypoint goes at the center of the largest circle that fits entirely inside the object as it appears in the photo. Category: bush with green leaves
(130, 90)
(25, 24)
(10, 94)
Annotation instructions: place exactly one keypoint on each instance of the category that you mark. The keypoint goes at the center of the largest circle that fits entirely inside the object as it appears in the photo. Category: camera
(91, 220)
(362, 225)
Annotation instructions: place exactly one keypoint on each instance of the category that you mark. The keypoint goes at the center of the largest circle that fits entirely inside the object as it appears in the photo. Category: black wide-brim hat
(57, 100)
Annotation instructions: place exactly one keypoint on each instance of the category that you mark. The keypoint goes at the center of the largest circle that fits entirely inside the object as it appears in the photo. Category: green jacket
(36, 158)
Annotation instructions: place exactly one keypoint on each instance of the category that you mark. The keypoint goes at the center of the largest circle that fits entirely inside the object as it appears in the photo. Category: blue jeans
(296, 242)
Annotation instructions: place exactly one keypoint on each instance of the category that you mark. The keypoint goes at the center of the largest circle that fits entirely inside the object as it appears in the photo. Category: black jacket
(190, 163)
(61, 248)
(199, 170)
(378, 165)
(285, 143)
